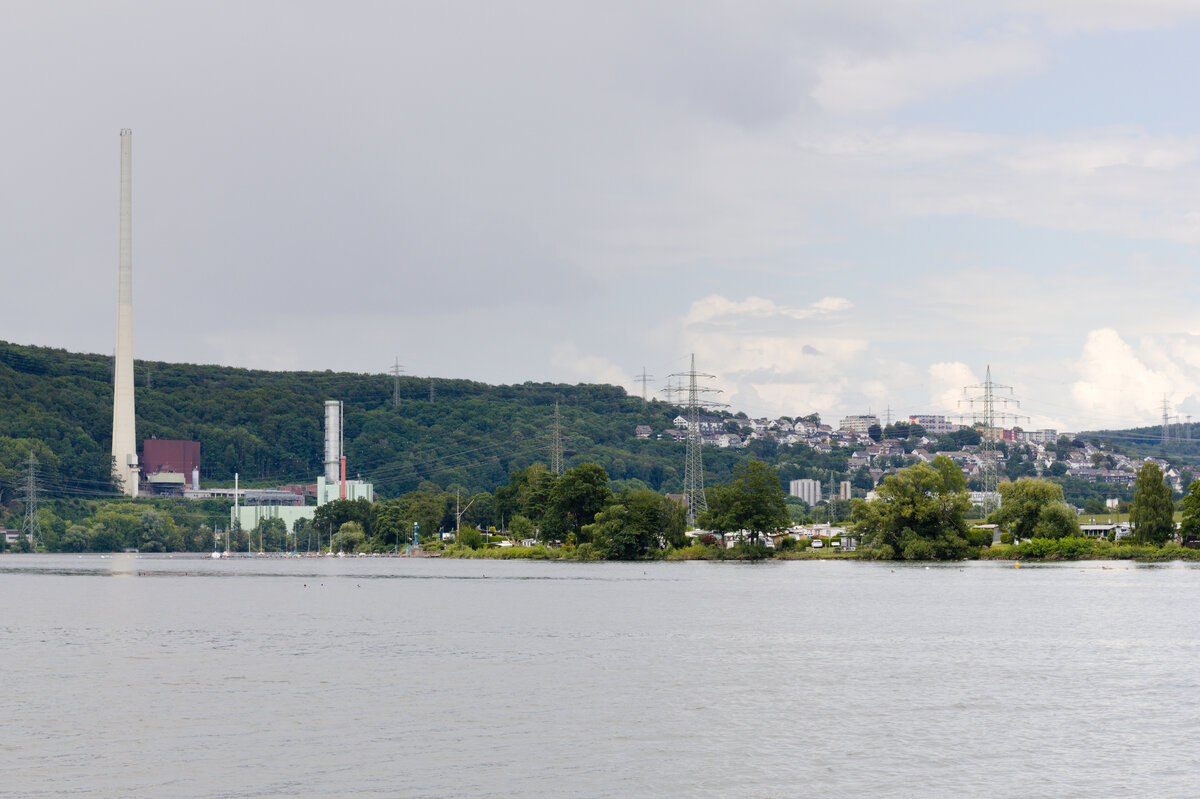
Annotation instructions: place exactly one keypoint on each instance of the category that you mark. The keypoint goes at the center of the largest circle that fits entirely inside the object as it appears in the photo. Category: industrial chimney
(124, 434)
(333, 441)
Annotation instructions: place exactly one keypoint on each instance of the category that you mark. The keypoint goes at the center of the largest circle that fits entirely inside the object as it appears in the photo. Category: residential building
(934, 425)
(859, 424)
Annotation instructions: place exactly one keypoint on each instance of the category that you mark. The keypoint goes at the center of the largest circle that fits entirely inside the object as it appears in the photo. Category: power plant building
(161, 455)
(807, 490)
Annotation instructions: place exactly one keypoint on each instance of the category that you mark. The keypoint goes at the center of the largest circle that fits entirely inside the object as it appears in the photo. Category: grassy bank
(1039, 549)
(1046, 549)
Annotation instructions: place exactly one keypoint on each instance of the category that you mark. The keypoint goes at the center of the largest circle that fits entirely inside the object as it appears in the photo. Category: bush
(1038, 548)
(979, 538)
(694, 552)
(788, 544)
(1006, 538)
(469, 537)
(884, 552)
(1074, 548)
(918, 549)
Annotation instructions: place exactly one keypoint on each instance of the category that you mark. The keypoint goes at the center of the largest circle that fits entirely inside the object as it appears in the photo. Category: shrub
(1074, 548)
(1038, 548)
(918, 550)
(1006, 538)
(979, 538)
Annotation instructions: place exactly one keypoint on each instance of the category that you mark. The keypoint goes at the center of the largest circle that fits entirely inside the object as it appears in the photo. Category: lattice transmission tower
(1166, 425)
(981, 401)
(556, 445)
(396, 371)
(644, 379)
(693, 467)
(30, 491)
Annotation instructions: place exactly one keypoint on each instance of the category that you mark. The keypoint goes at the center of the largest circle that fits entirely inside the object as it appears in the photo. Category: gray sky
(838, 206)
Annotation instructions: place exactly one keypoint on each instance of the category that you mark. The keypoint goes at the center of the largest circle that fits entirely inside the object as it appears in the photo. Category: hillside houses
(1037, 452)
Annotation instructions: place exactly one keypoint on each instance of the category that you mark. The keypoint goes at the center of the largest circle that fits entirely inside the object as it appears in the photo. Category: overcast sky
(837, 206)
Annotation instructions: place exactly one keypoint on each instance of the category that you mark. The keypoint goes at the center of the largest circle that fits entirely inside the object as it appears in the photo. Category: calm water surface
(187, 677)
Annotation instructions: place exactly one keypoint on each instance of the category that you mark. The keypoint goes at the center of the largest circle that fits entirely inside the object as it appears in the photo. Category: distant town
(882, 449)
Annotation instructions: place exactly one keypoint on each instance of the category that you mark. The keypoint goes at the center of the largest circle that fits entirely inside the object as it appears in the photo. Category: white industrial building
(807, 490)
(331, 485)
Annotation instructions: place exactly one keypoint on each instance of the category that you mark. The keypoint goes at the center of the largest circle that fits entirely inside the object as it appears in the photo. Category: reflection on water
(383, 677)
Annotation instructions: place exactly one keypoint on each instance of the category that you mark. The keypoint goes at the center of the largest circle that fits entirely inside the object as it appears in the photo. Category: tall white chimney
(124, 436)
(333, 441)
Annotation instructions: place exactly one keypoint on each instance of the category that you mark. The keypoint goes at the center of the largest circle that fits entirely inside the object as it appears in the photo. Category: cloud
(1116, 382)
(861, 83)
(1116, 15)
(716, 308)
(946, 383)
(572, 365)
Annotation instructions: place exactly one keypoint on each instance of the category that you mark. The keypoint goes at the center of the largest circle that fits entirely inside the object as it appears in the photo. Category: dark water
(141, 676)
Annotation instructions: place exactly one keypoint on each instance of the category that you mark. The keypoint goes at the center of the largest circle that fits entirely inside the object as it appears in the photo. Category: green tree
(348, 538)
(1189, 528)
(521, 528)
(875, 432)
(269, 534)
(637, 522)
(920, 513)
(469, 536)
(753, 501)
(76, 539)
(1021, 505)
(575, 499)
(330, 517)
(1056, 520)
(154, 534)
(1152, 514)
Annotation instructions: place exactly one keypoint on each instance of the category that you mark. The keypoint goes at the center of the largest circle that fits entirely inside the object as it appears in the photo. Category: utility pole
(643, 378)
(693, 467)
(458, 513)
(396, 370)
(556, 446)
(30, 527)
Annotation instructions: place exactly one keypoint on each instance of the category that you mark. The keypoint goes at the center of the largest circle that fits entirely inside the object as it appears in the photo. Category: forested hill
(268, 426)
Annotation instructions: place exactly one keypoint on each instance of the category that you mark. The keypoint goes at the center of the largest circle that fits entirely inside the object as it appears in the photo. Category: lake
(183, 676)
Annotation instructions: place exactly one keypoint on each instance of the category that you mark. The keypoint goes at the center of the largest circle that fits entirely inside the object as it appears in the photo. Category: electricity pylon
(693, 467)
(643, 378)
(556, 447)
(30, 527)
(981, 401)
(396, 370)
